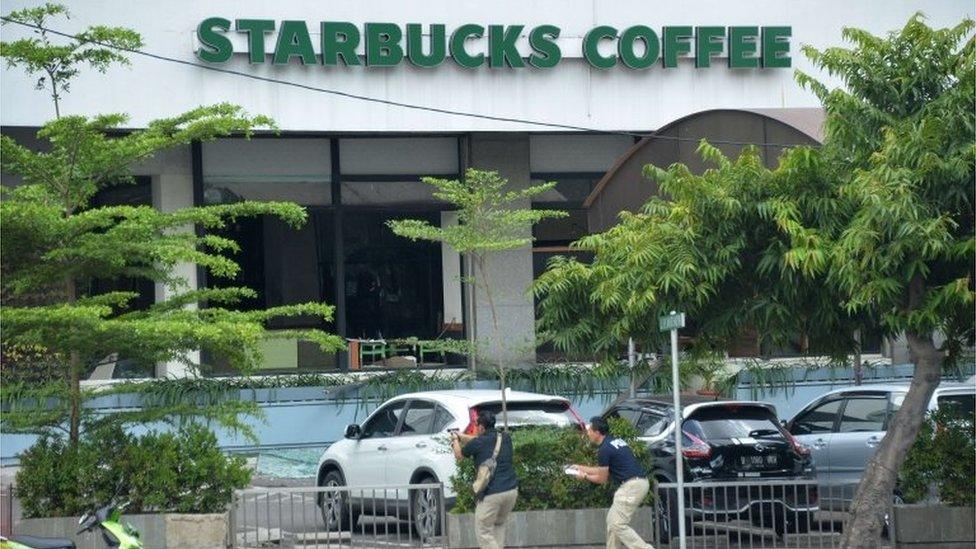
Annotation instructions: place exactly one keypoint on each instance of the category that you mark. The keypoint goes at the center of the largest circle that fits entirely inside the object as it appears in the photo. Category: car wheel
(425, 509)
(334, 504)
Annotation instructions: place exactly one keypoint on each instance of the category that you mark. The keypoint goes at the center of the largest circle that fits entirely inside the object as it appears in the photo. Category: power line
(387, 102)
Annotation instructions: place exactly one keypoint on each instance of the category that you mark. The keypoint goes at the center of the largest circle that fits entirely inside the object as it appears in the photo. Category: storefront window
(393, 285)
(291, 169)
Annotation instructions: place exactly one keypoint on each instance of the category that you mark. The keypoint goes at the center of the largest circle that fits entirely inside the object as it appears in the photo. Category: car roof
(691, 402)
(475, 396)
(900, 387)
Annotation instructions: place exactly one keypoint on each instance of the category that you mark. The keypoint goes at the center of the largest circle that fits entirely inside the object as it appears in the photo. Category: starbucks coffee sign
(473, 45)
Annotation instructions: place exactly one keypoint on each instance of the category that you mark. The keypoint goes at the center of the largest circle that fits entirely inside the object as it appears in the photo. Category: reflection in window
(418, 419)
(384, 423)
(819, 420)
(864, 415)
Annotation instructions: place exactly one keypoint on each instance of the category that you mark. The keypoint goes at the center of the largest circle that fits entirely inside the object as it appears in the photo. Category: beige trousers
(626, 500)
(489, 518)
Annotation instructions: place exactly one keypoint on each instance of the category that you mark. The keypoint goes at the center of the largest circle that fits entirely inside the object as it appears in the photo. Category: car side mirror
(353, 431)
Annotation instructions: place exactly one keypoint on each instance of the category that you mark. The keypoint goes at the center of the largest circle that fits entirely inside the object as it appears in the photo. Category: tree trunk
(874, 493)
(74, 366)
(470, 305)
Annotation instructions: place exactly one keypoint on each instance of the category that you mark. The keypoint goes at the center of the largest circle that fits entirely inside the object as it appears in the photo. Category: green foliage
(712, 247)
(56, 244)
(182, 472)
(491, 219)
(873, 228)
(541, 454)
(942, 458)
(58, 63)
(899, 153)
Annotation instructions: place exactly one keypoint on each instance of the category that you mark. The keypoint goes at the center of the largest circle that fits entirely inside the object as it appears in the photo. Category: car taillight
(798, 446)
(578, 418)
(473, 421)
(699, 449)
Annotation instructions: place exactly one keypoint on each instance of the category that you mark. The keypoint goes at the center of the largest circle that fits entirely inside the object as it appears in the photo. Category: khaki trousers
(489, 518)
(626, 500)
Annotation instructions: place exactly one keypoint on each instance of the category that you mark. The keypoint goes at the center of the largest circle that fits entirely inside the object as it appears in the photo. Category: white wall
(571, 93)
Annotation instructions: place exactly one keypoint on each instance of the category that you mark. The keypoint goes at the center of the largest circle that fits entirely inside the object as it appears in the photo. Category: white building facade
(369, 97)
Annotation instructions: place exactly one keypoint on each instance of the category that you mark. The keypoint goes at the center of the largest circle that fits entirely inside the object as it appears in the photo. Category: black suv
(726, 441)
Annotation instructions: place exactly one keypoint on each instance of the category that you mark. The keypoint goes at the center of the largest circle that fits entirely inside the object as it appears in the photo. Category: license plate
(757, 462)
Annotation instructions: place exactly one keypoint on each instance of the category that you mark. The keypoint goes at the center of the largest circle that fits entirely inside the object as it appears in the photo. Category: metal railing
(756, 514)
(411, 515)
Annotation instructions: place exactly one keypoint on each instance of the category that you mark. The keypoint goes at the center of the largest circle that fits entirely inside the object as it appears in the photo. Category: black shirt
(615, 454)
(481, 448)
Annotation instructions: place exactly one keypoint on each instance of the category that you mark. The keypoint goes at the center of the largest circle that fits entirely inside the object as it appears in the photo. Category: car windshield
(732, 421)
(547, 413)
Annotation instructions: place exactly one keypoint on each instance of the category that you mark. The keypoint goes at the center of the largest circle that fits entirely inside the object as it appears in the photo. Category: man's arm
(596, 475)
(456, 447)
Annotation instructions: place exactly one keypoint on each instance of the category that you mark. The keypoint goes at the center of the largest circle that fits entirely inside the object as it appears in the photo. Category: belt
(633, 478)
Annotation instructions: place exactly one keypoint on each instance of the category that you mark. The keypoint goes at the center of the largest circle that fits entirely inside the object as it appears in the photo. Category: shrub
(541, 454)
(183, 472)
(942, 457)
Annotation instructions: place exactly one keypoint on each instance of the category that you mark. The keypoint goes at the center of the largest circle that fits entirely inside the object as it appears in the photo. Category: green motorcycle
(107, 519)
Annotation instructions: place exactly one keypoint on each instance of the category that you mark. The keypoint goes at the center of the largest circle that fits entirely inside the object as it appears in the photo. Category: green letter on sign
(255, 29)
(676, 43)
(707, 45)
(460, 55)
(333, 48)
(590, 50)
(415, 45)
(501, 46)
(742, 53)
(776, 47)
(293, 39)
(543, 41)
(383, 44)
(625, 47)
(217, 47)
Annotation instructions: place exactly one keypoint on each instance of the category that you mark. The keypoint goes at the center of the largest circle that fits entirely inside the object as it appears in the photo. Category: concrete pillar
(172, 189)
(510, 341)
(451, 276)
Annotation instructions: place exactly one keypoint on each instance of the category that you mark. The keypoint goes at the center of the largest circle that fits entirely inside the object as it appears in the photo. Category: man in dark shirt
(616, 460)
(499, 497)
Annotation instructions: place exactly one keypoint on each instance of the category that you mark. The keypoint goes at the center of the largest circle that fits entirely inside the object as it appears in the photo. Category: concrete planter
(551, 528)
(170, 531)
(934, 526)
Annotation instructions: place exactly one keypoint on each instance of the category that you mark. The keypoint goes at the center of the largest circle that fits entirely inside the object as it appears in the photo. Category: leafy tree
(491, 219)
(900, 138)
(54, 238)
(58, 63)
(876, 226)
(711, 246)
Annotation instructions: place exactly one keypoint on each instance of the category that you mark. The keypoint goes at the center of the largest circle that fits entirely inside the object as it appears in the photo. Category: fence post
(231, 521)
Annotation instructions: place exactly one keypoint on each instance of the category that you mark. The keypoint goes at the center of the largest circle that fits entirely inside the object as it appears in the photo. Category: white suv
(404, 441)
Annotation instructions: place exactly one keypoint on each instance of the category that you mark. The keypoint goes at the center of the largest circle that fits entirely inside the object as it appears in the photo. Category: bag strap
(498, 446)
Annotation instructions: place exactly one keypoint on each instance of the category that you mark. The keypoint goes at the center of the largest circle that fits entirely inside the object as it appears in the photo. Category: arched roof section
(624, 187)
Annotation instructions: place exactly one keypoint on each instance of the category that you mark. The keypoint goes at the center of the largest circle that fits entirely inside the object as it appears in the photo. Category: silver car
(844, 427)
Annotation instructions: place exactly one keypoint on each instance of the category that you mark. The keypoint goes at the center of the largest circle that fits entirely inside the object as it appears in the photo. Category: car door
(413, 444)
(814, 428)
(859, 432)
(369, 458)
